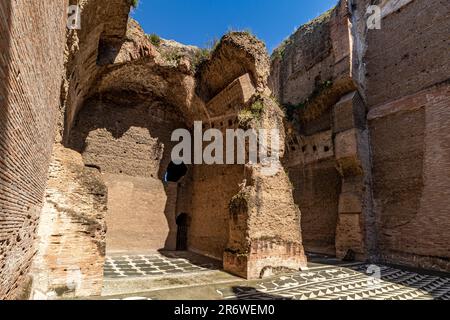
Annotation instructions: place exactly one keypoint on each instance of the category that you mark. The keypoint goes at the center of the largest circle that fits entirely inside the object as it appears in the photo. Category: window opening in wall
(175, 172)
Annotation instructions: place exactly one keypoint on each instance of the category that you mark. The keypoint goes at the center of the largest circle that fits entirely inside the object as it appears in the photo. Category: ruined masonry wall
(406, 89)
(129, 141)
(32, 37)
(72, 228)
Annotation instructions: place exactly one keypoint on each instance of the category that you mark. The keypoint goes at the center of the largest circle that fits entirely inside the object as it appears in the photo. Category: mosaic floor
(127, 266)
(326, 279)
(346, 283)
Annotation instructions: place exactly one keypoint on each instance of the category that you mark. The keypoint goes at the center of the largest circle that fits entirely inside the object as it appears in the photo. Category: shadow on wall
(125, 125)
(178, 233)
(127, 136)
(101, 36)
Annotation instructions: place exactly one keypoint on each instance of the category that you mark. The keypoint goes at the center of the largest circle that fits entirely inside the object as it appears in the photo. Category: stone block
(349, 235)
(350, 203)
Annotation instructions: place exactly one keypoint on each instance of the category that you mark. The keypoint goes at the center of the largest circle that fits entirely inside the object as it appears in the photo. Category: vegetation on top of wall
(204, 54)
(134, 3)
(172, 56)
(154, 39)
(291, 109)
(247, 31)
(253, 112)
(279, 52)
(324, 17)
(200, 56)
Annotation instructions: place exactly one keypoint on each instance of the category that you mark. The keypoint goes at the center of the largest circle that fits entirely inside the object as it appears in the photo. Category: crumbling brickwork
(311, 76)
(365, 143)
(103, 29)
(72, 229)
(381, 134)
(30, 79)
(403, 72)
(410, 142)
(129, 140)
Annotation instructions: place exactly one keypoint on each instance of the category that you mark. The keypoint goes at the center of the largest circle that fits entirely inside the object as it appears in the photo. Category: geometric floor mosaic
(326, 279)
(346, 283)
(124, 266)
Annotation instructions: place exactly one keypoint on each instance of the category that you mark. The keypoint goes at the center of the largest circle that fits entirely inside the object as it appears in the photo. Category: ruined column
(354, 231)
(264, 235)
(265, 232)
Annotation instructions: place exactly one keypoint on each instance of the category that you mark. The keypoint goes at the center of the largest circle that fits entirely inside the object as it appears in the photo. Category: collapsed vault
(261, 236)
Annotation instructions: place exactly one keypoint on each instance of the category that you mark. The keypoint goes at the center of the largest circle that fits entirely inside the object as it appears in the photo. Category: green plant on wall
(246, 31)
(279, 52)
(172, 56)
(201, 55)
(254, 112)
(154, 39)
(134, 3)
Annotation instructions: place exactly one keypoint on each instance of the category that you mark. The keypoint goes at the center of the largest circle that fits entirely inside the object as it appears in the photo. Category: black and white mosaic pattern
(346, 283)
(154, 265)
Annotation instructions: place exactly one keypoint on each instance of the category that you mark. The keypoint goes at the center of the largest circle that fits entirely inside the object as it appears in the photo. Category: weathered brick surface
(121, 134)
(410, 143)
(264, 221)
(401, 73)
(212, 189)
(316, 192)
(141, 214)
(31, 65)
(232, 98)
(129, 140)
(317, 53)
(103, 28)
(409, 53)
(72, 228)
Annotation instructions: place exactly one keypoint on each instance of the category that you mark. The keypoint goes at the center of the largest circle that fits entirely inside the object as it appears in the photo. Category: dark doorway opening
(175, 172)
(182, 232)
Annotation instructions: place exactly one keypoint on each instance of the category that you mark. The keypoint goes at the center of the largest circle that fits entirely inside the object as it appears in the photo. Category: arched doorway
(182, 232)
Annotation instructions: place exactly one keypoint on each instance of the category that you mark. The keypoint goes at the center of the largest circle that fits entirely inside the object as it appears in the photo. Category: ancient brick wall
(129, 140)
(208, 230)
(310, 74)
(103, 28)
(317, 53)
(71, 233)
(213, 187)
(409, 53)
(391, 201)
(410, 143)
(122, 134)
(403, 71)
(231, 99)
(141, 214)
(31, 64)
(316, 192)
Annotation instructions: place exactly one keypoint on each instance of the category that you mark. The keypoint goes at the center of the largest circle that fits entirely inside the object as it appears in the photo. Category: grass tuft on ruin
(252, 113)
(154, 39)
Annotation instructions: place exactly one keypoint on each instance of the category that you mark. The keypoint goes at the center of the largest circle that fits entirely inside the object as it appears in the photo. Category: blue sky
(199, 22)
